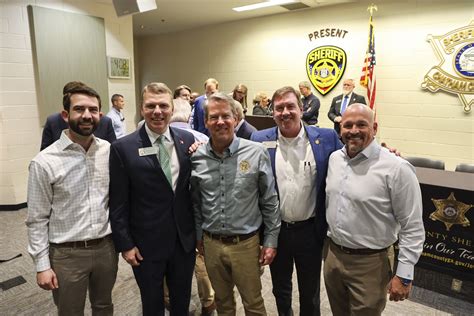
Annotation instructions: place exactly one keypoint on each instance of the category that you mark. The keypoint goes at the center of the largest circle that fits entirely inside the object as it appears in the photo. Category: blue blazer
(144, 210)
(323, 142)
(198, 118)
(55, 125)
(246, 130)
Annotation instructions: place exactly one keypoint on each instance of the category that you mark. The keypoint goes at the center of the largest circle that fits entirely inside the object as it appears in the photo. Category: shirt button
(222, 210)
(222, 194)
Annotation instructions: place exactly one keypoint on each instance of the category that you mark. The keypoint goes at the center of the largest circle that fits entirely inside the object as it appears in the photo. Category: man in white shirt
(299, 155)
(68, 215)
(373, 198)
(115, 113)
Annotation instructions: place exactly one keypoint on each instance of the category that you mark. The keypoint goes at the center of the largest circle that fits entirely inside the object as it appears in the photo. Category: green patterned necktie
(164, 158)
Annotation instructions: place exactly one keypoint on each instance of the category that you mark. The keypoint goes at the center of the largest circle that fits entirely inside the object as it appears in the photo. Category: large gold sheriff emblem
(455, 72)
(325, 66)
(451, 211)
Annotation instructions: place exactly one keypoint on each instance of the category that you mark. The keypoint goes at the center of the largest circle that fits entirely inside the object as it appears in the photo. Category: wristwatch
(405, 282)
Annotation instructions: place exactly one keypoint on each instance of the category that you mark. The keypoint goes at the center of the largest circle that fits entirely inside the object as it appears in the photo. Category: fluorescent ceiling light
(260, 5)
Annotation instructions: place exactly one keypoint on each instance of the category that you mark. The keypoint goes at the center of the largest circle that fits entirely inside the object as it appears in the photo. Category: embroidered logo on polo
(456, 77)
(244, 166)
(325, 66)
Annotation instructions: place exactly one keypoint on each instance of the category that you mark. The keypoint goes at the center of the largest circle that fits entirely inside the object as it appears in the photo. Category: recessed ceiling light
(260, 5)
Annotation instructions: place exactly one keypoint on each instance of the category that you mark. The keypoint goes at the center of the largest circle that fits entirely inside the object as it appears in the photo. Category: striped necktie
(164, 158)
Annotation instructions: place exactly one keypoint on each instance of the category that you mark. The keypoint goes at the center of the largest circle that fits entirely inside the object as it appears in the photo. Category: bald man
(373, 198)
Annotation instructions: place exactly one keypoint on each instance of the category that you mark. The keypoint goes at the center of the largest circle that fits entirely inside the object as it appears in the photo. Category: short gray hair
(220, 97)
(182, 111)
(305, 84)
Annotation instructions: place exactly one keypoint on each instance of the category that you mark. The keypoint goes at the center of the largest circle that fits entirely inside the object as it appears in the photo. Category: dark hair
(285, 90)
(77, 87)
(178, 89)
(115, 97)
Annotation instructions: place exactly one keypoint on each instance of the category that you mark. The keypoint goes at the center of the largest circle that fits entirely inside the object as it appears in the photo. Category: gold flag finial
(372, 8)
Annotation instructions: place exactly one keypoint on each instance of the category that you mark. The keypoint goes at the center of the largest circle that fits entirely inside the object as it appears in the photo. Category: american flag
(368, 70)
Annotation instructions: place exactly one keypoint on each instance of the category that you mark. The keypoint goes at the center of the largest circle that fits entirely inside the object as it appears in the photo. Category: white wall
(20, 128)
(270, 52)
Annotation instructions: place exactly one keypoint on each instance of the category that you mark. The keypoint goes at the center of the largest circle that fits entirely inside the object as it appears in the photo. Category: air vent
(295, 6)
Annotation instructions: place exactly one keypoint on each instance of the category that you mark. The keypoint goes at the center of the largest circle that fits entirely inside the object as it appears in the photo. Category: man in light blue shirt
(373, 198)
(233, 192)
(116, 115)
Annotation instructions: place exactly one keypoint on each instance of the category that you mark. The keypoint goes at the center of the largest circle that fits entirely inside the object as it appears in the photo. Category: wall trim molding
(13, 207)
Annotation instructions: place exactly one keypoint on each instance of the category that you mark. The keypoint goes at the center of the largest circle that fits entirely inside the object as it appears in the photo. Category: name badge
(270, 144)
(147, 151)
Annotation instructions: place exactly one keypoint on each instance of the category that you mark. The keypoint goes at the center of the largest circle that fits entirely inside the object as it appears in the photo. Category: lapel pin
(316, 141)
(181, 141)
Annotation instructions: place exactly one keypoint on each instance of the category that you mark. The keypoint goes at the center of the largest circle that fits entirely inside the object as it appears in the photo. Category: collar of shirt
(119, 113)
(154, 136)
(65, 142)
(349, 96)
(239, 126)
(229, 151)
(368, 152)
(289, 140)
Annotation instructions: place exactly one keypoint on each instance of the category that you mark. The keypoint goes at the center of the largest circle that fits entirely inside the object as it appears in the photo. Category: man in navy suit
(211, 86)
(150, 207)
(299, 156)
(243, 129)
(340, 103)
(55, 124)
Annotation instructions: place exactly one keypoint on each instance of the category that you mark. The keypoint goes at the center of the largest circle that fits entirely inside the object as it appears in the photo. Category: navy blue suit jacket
(198, 118)
(144, 210)
(323, 142)
(245, 130)
(55, 125)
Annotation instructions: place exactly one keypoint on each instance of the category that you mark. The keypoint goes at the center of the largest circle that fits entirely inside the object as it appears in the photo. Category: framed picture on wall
(119, 68)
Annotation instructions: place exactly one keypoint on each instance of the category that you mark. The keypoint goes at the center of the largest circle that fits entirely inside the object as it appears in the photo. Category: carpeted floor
(29, 299)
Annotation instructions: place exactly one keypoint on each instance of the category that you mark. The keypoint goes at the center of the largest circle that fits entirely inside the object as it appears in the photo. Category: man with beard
(150, 204)
(340, 103)
(299, 155)
(55, 124)
(373, 198)
(68, 220)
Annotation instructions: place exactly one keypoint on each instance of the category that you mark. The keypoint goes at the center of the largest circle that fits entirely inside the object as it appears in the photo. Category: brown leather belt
(230, 239)
(359, 251)
(81, 244)
(298, 223)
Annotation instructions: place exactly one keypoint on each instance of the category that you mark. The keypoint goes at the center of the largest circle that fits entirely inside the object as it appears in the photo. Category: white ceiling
(179, 15)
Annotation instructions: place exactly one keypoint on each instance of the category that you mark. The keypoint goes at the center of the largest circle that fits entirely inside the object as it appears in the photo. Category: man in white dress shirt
(373, 198)
(68, 214)
(116, 115)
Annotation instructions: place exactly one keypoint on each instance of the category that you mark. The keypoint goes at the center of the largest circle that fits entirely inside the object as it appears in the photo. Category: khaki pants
(232, 265)
(80, 269)
(205, 290)
(356, 284)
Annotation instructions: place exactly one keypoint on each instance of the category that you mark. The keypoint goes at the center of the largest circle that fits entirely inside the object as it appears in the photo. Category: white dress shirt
(296, 177)
(374, 199)
(68, 196)
(118, 122)
(169, 144)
